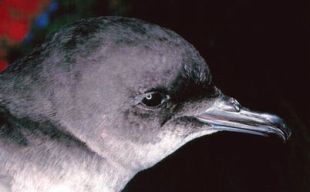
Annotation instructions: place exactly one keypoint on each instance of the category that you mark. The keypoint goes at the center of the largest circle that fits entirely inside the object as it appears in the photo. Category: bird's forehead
(143, 67)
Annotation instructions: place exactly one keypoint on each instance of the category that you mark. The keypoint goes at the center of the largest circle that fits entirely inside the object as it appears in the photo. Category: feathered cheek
(104, 134)
(60, 188)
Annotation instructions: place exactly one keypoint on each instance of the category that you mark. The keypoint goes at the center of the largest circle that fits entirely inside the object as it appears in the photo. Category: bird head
(133, 92)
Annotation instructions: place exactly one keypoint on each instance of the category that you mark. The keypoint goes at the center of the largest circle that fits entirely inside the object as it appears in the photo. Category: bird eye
(154, 99)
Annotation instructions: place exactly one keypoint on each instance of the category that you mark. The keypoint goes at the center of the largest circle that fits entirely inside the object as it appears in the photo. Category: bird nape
(104, 98)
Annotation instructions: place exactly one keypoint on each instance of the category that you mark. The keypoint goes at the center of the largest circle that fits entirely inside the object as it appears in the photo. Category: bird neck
(50, 166)
(56, 160)
(117, 177)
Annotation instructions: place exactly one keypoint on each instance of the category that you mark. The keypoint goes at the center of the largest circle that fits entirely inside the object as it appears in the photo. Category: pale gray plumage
(74, 114)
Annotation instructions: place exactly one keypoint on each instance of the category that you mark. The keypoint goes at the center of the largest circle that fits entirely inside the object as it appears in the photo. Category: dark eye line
(188, 90)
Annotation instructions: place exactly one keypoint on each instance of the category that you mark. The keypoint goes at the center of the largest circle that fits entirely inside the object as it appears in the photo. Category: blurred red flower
(15, 20)
(3, 65)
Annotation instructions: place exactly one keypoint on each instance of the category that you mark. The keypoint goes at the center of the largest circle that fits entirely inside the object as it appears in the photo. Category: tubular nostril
(235, 104)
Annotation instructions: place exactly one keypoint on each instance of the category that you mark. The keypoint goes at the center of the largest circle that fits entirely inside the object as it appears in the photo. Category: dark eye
(154, 99)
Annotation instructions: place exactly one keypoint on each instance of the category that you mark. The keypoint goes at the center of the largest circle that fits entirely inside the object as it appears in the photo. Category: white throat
(50, 167)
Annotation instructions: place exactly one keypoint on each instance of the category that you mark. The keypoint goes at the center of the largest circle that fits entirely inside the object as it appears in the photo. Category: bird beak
(226, 114)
